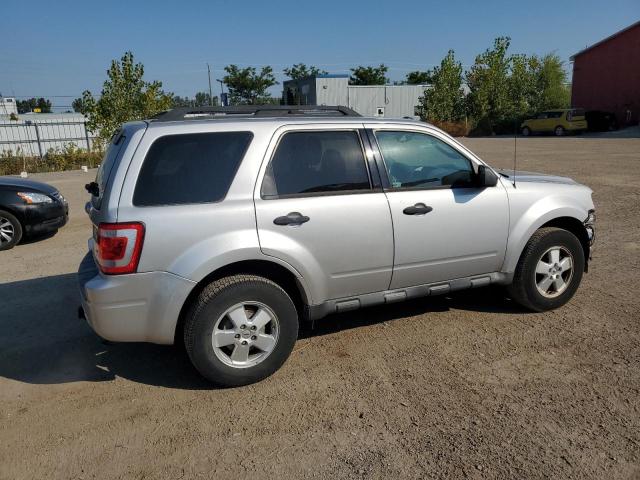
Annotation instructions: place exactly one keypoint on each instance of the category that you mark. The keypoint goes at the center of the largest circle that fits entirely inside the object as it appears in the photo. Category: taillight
(118, 247)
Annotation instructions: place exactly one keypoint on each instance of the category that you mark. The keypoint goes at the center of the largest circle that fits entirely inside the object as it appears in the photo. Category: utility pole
(209, 74)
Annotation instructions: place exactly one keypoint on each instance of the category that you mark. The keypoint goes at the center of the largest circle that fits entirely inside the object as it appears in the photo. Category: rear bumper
(141, 307)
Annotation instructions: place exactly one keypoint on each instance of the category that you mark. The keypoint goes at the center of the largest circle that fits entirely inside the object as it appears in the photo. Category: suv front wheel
(549, 270)
(240, 330)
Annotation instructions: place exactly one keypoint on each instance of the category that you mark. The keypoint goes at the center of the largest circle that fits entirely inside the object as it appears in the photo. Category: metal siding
(332, 91)
(607, 77)
(397, 100)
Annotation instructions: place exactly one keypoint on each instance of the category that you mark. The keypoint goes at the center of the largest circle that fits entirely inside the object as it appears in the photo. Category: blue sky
(59, 49)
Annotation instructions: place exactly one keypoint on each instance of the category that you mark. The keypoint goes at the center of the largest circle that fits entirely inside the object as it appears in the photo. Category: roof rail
(196, 113)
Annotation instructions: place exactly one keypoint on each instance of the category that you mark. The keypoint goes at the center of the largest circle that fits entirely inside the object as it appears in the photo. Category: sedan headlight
(32, 197)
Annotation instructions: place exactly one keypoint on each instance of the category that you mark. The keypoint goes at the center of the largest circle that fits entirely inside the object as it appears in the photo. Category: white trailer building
(369, 100)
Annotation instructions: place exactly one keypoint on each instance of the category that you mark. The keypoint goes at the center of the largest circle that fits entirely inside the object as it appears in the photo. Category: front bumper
(43, 218)
(140, 307)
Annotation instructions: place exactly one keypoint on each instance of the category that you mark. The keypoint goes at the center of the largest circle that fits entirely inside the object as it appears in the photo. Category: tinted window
(422, 161)
(192, 168)
(316, 162)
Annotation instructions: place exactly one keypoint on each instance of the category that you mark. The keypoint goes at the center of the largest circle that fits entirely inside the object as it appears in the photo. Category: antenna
(515, 150)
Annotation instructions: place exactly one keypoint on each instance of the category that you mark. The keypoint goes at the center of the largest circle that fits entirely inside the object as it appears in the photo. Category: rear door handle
(417, 209)
(292, 218)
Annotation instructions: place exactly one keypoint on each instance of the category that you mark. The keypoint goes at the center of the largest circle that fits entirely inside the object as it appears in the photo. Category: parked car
(558, 122)
(599, 121)
(29, 208)
(223, 228)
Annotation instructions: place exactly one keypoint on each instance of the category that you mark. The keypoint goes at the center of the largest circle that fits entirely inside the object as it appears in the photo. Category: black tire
(17, 231)
(559, 131)
(213, 302)
(526, 131)
(523, 289)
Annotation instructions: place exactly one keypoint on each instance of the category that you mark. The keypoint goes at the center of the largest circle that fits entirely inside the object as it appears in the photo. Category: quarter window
(190, 168)
(308, 163)
(417, 160)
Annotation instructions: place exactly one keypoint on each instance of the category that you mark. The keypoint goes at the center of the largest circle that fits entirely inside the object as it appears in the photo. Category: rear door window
(190, 168)
(316, 163)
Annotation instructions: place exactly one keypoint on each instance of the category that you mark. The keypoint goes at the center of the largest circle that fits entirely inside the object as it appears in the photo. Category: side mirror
(486, 177)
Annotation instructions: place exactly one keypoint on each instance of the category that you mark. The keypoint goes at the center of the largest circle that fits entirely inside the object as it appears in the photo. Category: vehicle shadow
(43, 342)
(28, 239)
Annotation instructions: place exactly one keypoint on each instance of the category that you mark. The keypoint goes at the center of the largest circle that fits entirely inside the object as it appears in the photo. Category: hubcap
(245, 334)
(6, 230)
(554, 272)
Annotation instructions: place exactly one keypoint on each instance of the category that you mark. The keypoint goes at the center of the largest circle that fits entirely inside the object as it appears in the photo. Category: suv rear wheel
(549, 270)
(240, 330)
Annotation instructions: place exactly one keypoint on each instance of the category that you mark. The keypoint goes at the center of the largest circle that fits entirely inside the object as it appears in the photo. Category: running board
(315, 312)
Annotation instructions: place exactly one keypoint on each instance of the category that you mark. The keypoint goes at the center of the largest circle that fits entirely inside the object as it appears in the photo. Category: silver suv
(224, 227)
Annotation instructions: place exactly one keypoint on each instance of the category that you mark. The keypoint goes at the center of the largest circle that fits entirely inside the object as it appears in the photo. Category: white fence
(33, 135)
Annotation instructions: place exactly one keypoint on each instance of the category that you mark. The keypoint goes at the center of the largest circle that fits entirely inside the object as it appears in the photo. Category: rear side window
(106, 165)
(308, 163)
(190, 168)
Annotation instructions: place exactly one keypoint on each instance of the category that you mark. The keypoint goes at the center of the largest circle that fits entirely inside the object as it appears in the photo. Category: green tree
(125, 96)
(247, 86)
(369, 75)
(26, 106)
(419, 78)
(201, 99)
(551, 83)
(444, 101)
(489, 99)
(522, 86)
(300, 70)
(79, 106)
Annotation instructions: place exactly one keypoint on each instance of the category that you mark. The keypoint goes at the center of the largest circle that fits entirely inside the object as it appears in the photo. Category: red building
(606, 76)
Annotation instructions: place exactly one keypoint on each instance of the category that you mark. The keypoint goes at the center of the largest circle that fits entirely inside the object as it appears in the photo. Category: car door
(319, 209)
(538, 123)
(444, 226)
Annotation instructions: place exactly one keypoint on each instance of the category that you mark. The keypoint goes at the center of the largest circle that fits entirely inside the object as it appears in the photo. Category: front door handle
(293, 218)
(417, 209)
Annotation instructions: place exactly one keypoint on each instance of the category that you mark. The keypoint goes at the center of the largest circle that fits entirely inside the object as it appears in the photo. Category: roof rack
(197, 113)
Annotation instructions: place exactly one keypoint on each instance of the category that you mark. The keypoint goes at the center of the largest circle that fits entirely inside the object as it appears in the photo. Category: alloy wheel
(245, 334)
(554, 272)
(7, 231)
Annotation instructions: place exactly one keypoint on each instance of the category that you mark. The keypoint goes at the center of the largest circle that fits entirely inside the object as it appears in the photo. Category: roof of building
(604, 40)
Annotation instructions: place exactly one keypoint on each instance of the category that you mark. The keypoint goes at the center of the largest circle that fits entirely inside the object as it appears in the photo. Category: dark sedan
(29, 208)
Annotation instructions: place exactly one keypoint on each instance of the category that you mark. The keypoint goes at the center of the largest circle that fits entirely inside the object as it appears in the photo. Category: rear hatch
(105, 189)
(577, 117)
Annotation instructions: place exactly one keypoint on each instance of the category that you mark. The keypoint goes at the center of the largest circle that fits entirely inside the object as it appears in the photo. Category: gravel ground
(466, 386)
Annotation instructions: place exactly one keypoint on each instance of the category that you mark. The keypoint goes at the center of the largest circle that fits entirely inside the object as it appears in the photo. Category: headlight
(31, 197)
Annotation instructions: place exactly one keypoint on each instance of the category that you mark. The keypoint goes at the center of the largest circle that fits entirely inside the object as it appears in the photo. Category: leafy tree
(300, 70)
(444, 101)
(488, 81)
(246, 86)
(26, 106)
(522, 86)
(369, 75)
(201, 99)
(125, 96)
(419, 78)
(79, 106)
(551, 82)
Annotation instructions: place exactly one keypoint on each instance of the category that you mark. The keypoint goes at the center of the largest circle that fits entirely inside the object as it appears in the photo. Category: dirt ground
(466, 386)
